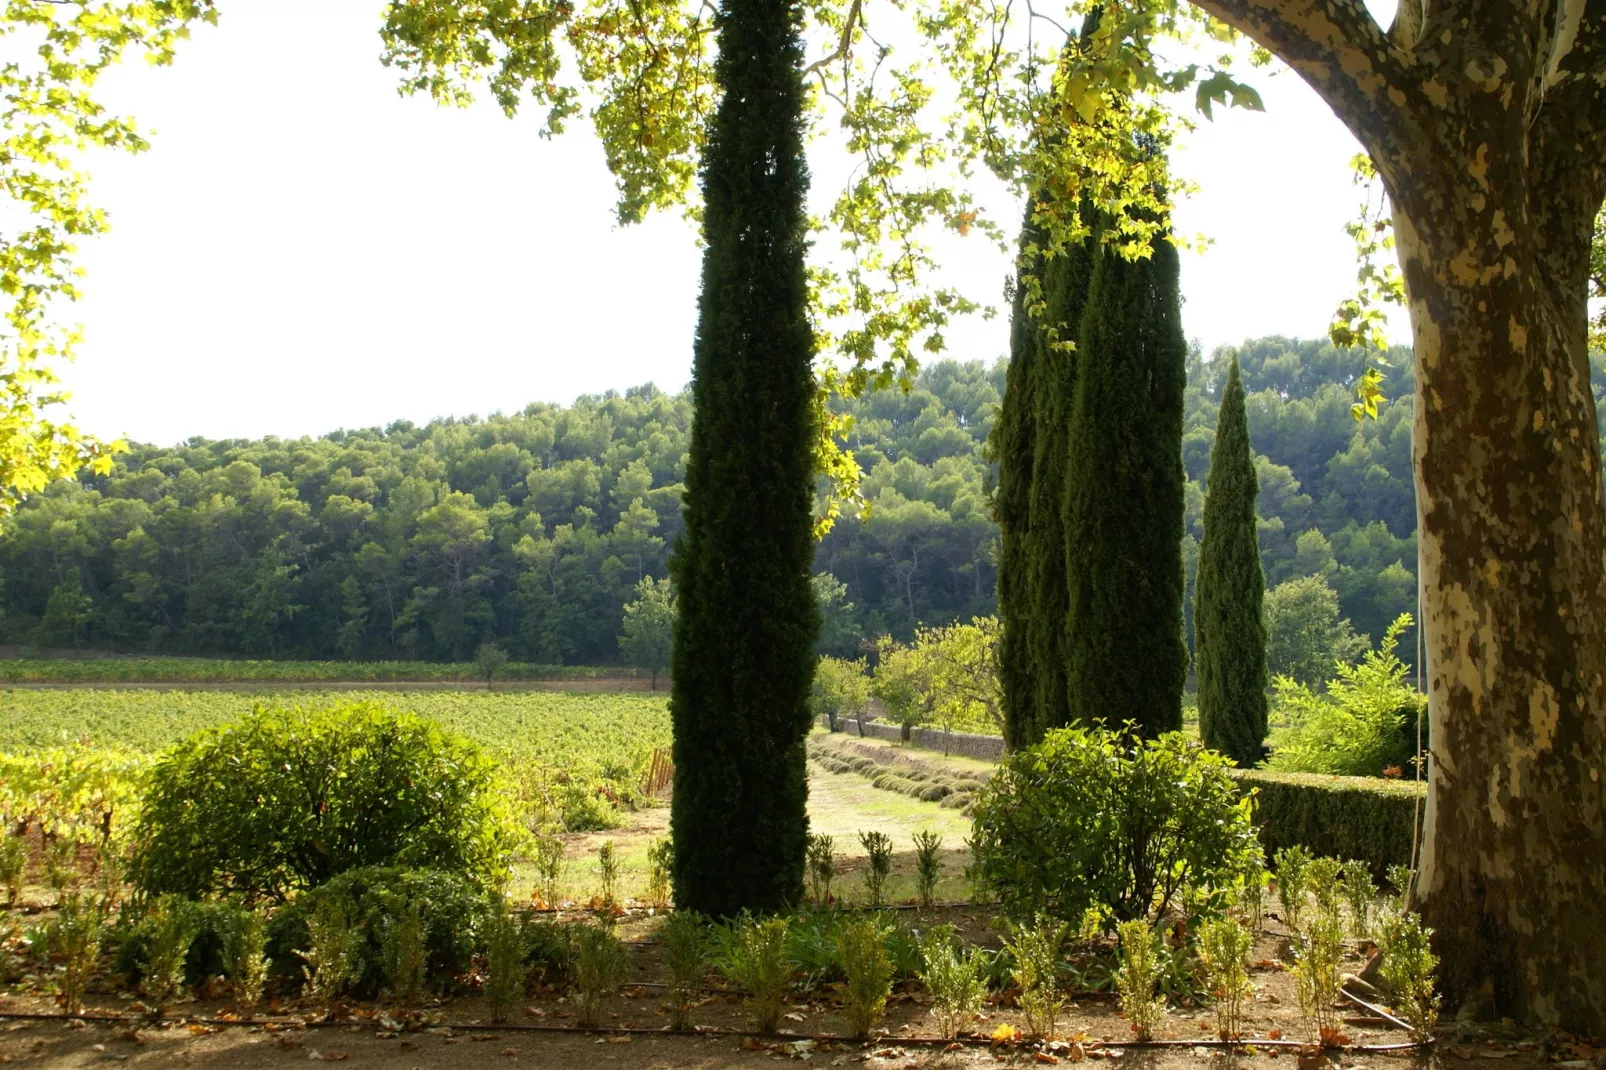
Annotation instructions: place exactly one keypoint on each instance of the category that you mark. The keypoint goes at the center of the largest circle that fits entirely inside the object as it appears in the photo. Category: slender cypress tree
(1229, 631)
(743, 662)
(1013, 446)
(1030, 447)
(1125, 658)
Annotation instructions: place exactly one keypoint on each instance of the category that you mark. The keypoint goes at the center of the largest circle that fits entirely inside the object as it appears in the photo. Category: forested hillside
(533, 528)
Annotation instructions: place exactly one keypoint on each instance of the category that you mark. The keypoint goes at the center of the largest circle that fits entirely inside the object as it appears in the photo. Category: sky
(304, 250)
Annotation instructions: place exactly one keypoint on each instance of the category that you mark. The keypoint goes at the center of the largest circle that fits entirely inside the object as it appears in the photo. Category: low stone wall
(966, 744)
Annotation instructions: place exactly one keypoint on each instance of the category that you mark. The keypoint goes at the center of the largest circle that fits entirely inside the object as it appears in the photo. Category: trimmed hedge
(1338, 816)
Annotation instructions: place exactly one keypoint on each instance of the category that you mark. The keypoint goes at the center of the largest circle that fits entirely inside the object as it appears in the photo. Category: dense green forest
(533, 528)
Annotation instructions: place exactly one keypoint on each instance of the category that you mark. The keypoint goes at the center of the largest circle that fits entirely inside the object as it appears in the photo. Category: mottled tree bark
(1487, 122)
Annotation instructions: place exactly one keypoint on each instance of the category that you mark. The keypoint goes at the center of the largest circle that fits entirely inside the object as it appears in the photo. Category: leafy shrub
(547, 855)
(452, 913)
(867, 973)
(405, 955)
(754, 959)
(72, 940)
(928, 865)
(287, 800)
(548, 949)
(608, 870)
(601, 964)
(504, 959)
(1408, 967)
(1224, 947)
(878, 865)
(329, 959)
(245, 960)
(1318, 952)
(821, 856)
(1353, 817)
(1293, 882)
(1365, 723)
(954, 977)
(1137, 978)
(1035, 953)
(685, 958)
(13, 861)
(1088, 817)
(1359, 892)
(173, 929)
(660, 866)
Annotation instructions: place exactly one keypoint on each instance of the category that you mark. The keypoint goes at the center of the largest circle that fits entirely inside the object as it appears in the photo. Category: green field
(227, 670)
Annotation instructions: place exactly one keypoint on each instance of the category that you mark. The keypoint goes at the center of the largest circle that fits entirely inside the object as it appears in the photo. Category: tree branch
(1337, 47)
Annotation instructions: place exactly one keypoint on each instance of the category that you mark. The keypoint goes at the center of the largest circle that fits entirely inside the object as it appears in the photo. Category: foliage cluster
(1367, 818)
(1092, 818)
(285, 800)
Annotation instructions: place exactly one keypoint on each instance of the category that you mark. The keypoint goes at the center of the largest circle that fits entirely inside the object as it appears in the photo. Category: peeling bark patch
(1518, 334)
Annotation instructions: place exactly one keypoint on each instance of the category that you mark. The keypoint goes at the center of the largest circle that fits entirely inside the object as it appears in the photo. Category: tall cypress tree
(1030, 447)
(1013, 446)
(743, 661)
(1229, 631)
(1125, 658)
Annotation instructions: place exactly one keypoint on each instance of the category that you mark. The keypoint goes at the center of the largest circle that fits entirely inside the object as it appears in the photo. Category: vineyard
(222, 670)
(71, 757)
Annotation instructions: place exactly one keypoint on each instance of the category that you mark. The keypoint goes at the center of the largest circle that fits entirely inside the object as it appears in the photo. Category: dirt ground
(451, 1034)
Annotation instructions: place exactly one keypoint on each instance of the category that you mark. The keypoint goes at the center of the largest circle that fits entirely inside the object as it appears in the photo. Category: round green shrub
(957, 801)
(453, 912)
(934, 792)
(287, 799)
(1092, 817)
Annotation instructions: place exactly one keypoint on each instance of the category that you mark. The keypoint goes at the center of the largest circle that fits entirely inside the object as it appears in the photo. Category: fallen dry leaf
(620, 1040)
(1045, 1057)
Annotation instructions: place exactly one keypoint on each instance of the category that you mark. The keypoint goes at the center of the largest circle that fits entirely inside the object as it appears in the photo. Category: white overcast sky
(304, 250)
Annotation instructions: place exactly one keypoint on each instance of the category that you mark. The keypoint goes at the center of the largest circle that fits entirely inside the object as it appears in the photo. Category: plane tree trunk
(1487, 123)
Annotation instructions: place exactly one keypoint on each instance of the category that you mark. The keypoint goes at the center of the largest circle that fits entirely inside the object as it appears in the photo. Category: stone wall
(988, 748)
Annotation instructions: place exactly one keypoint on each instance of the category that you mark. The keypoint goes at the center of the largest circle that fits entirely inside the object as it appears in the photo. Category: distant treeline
(532, 528)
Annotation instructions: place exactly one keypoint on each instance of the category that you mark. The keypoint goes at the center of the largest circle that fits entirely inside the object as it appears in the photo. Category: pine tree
(743, 661)
(1229, 630)
(1125, 657)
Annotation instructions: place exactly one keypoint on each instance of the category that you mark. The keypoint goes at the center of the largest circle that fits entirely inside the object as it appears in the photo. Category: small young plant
(601, 965)
(405, 954)
(1252, 898)
(758, 963)
(1292, 883)
(1224, 947)
(245, 960)
(954, 977)
(878, 867)
(72, 939)
(867, 973)
(111, 866)
(329, 961)
(1035, 950)
(1360, 893)
(1318, 954)
(13, 864)
(173, 929)
(1408, 967)
(1137, 977)
(822, 867)
(928, 865)
(548, 858)
(1399, 880)
(504, 958)
(1323, 877)
(686, 959)
(608, 871)
(660, 867)
(61, 864)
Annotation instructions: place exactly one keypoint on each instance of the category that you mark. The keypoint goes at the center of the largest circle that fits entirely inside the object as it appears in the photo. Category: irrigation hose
(785, 1038)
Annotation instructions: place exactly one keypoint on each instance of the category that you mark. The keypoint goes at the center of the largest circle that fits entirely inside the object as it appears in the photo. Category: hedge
(1339, 816)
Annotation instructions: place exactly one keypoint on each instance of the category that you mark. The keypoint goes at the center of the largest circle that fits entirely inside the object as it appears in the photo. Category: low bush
(1088, 818)
(1363, 818)
(452, 912)
(288, 799)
